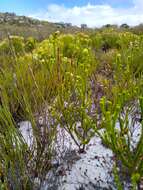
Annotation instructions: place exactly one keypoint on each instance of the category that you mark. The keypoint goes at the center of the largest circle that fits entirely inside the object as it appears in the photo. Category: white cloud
(93, 15)
(138, 3)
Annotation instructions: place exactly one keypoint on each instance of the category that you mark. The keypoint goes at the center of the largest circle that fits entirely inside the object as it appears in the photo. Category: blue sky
(91, 12)
(31, 6)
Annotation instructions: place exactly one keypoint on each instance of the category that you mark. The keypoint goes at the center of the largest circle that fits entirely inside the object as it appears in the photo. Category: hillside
(26, 26)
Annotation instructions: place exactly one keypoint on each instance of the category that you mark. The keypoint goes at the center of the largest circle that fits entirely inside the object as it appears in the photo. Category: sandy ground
(73, 171)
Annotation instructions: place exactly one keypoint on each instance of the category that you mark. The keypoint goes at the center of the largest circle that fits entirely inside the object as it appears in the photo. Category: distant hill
(26, 26)
(12, 18)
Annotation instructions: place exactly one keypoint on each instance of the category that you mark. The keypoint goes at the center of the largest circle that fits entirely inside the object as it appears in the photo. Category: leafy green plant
(55, 82)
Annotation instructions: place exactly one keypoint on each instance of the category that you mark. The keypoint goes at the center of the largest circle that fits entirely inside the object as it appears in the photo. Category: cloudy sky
(91, 12)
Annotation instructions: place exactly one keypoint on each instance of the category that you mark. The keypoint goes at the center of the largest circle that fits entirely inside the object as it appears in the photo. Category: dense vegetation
(95, 80)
